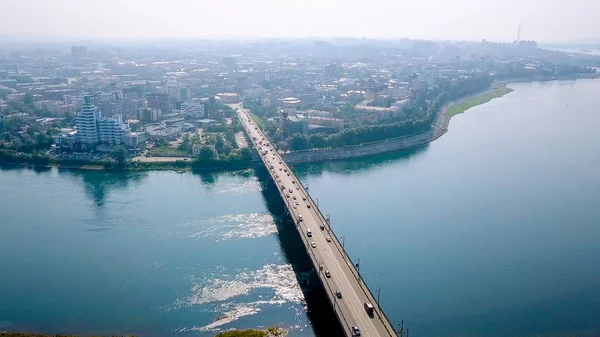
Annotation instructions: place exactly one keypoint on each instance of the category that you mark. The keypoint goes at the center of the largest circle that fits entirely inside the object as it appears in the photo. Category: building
(327, 122)
(149, 115)
(76, 100)
(93, 129)
(161, 131)
(377, 113)
(244, 82)
(85, 121)
(228, 97)
(194, 109)
(66, 140)
(135, 140)
(296, 124)
(111, 129)
(56, 108)
(291, 102)
(159, 101)
(197, 147)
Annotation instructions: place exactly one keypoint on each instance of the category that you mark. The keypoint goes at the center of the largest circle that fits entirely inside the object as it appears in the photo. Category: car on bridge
(313, 244)
(327, 274)
(338, 294)
(355, 331)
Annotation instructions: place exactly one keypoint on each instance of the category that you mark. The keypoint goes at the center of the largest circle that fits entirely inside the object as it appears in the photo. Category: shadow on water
(98, 184)
(320, 313)
(210, 178)
(349, 166)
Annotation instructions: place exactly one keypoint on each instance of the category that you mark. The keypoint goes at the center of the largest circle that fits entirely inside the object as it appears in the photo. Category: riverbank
(440, 126)
(497, 90)
(270, 332)
(451, 109)
(156, 166)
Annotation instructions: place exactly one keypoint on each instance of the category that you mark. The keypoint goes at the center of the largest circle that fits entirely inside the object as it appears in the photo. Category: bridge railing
(380, 313)
(332, 297)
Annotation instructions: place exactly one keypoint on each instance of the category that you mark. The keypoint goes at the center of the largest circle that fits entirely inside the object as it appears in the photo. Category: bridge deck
(323, 247)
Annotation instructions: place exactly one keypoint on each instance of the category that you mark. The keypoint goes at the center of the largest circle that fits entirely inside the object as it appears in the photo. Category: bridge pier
(312, 280)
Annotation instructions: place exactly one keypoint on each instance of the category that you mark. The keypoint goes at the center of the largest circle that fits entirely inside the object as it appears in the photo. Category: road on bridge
(334, 267)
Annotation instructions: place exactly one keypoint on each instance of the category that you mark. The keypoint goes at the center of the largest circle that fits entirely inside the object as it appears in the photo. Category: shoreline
(439, 128)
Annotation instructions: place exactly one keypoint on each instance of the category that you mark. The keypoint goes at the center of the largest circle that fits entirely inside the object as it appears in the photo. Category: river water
(491, 230)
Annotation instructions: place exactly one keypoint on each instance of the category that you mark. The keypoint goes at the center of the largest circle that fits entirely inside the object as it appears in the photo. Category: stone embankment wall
(440, 126)
(357, 151)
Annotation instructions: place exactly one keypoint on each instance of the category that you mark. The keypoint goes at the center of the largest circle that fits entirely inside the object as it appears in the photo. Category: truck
(369, 308)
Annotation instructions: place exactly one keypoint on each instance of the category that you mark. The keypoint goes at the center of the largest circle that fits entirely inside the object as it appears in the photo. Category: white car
(313, 244)
(328, 239)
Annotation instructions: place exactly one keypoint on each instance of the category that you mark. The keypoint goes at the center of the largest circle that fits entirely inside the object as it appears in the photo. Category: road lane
(350, 308)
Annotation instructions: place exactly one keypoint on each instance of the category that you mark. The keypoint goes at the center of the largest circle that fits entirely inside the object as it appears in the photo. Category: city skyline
(561, 21)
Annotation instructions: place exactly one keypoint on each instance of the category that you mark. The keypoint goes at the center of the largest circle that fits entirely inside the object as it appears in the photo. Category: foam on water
(237, 187)
(278, 280)
(249, 225)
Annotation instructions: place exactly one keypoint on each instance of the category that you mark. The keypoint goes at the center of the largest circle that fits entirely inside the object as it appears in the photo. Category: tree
(219, 142)
(316, 142)
(246, 154)
(119, 153)
(230, 137)
(206, 154)
(185, 144)
(161, 142)
(298, 142)
(28, 99)
(226, 149)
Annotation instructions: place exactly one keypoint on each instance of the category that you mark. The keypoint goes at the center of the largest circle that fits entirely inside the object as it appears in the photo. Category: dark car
(338, 294)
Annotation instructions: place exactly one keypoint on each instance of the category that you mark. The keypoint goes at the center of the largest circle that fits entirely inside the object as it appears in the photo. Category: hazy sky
(498, 20)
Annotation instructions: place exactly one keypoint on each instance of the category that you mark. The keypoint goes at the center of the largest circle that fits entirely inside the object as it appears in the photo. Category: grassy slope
(243, 333)
(498, 91)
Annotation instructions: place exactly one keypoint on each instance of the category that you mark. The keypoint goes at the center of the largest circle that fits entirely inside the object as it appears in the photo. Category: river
(493, 230)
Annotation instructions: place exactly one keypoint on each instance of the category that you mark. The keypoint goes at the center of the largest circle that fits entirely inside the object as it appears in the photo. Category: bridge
(351, 299)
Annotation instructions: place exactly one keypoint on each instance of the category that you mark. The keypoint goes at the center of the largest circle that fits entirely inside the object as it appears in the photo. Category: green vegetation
(166, 152)
(20, 334)
(270, 332)
(236, 159)
(498, 91)
(233, 333)
(243, 333)
(257, 120)
(361, 135)
(256, 107)
(415, 119)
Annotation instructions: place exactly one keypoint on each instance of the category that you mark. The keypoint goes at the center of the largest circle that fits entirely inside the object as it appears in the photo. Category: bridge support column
(312, 280)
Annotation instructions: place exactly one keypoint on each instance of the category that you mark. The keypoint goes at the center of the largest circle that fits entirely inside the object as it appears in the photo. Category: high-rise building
(111, 130)
(159, 101)
(194, 109)
(85, 120)
(93, 129)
